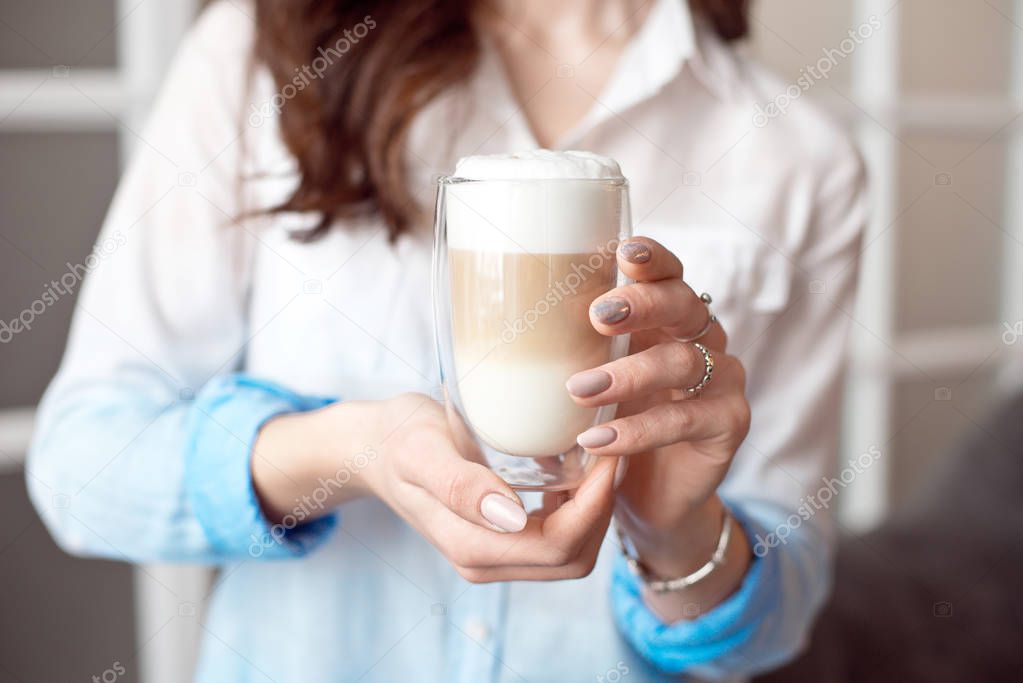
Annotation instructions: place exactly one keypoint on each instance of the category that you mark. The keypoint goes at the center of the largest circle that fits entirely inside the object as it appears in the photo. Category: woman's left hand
(680, 444)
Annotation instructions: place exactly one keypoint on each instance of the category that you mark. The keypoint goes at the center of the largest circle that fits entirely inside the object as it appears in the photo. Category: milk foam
(538, 164)
(536, 202)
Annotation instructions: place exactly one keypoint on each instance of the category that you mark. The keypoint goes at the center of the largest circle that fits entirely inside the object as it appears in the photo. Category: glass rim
(456, 180)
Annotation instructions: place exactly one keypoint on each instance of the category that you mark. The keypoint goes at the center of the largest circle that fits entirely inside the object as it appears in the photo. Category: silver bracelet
(659, 585)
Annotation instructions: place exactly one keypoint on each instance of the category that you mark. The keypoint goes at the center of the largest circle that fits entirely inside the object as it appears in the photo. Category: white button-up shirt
(766, 218)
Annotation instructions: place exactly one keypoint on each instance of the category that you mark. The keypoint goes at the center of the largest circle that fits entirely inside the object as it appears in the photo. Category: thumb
(470, 490)
(590, 506)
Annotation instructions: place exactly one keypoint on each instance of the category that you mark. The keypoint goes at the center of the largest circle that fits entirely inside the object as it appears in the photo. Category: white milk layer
(538, 202)
(523, 408)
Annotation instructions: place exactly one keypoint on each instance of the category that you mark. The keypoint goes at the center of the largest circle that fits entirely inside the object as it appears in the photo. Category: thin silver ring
(708, 369)
(711, 319)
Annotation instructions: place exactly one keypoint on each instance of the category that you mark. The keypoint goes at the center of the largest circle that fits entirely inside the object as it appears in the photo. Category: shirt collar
(669, 40)
(656, 54)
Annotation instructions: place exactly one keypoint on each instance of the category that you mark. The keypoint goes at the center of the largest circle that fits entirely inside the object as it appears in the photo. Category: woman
(247, 376)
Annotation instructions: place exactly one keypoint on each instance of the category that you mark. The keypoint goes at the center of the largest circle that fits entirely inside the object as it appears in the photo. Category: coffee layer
(520, 329)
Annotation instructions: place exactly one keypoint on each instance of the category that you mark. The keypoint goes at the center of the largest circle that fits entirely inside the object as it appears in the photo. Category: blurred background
(934, 96)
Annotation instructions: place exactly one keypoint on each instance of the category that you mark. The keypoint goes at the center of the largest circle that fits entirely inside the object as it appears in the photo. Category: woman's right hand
(463, 508)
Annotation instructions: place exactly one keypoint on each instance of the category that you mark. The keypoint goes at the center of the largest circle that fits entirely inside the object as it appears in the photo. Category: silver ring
(708, 369)
(711, 319)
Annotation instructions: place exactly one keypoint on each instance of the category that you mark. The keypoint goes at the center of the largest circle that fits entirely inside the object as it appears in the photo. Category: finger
(468, 546)
(470, 490)
(647, 260)
(464, 543)
(557, 539)
(577, 568)
(671, 365)
(569, 543)
(665, 424)
(540, 546)
(590, 508)
(550, 502)
(670, 305)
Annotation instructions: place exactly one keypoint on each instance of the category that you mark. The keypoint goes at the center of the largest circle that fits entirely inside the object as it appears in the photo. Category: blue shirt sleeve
(763, 624)
(126, 467)
(225, 420)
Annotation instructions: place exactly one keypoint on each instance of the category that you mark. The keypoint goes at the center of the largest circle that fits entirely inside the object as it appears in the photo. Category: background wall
(75, 81)
(934, 95)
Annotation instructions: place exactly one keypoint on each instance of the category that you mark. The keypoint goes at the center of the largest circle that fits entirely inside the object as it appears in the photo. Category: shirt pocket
(742, 272)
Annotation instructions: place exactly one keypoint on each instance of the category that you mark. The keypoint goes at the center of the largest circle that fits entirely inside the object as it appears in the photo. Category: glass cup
(517, 264)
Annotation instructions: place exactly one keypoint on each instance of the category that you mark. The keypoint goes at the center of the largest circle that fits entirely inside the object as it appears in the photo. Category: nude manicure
(503, 513)
(589, 383)
(597, 437)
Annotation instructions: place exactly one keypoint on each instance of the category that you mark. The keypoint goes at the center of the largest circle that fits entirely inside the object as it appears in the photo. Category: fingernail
(589, 383)
(503, 513)
(596, 437)
(635, 252)
(611, 310)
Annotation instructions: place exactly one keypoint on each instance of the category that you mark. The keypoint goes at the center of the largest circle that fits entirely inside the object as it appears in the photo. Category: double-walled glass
(517, 264)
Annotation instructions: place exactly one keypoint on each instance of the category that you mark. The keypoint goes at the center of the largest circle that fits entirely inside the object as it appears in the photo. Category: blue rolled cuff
(222, 428)
(677, 648)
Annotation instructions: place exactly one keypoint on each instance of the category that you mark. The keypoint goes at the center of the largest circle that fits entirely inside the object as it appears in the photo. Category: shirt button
(477, 630)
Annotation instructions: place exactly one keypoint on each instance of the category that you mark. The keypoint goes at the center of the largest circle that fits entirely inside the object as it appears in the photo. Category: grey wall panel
(54, 192)
(42, 33)
(61, 618)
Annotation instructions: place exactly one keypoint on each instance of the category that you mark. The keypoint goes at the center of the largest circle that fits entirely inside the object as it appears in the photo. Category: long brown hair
(386, 60)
